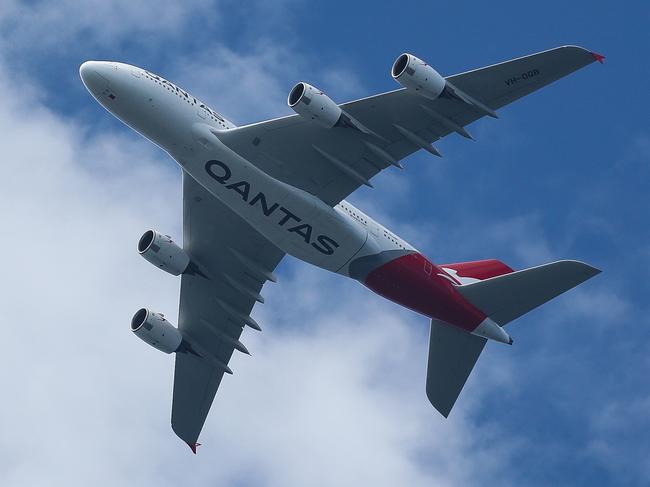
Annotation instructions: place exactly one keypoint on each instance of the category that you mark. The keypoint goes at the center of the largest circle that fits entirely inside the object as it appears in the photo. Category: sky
(334, 391)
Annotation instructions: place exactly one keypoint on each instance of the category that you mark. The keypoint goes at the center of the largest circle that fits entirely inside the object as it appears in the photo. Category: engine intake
(154, 329)
(414, 74)
(162, 252)
(311, 103)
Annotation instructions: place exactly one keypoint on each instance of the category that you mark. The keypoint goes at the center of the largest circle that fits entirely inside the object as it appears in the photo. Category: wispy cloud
(619, 426)
(251, 85)
(54, 23)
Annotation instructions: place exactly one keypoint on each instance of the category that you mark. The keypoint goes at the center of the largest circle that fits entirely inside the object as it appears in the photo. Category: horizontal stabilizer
(452, 355)
(505, 298)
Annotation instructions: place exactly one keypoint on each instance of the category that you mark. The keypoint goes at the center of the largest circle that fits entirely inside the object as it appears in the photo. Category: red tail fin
(466, 272)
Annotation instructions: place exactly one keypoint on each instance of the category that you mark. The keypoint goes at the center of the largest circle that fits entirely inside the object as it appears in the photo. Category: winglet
(598, 57)
(194, 446)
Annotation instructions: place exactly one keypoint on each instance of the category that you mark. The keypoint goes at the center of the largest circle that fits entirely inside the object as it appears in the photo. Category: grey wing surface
(332, 163)
(230, 263)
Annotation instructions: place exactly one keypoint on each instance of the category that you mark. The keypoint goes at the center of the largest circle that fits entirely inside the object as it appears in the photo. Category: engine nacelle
(311, 103)
(162, 252)
(154, 329)
(414, 74)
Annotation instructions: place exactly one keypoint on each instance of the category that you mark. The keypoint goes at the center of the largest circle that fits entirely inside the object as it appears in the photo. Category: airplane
(253, 193)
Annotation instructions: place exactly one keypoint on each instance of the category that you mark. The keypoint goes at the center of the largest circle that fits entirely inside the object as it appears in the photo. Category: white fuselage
(295, 221)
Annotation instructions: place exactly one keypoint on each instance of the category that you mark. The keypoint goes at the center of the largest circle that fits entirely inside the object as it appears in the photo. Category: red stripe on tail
(479, 269)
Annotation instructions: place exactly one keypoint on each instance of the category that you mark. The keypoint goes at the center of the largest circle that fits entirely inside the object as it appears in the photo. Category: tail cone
(489, 329)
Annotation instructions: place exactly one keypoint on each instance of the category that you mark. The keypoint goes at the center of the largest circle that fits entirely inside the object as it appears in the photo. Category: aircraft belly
(295, 221)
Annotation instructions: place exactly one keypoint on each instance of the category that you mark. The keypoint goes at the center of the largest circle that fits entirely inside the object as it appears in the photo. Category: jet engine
(162, 252)
(154, 329)
(414, 74)
(311, 103)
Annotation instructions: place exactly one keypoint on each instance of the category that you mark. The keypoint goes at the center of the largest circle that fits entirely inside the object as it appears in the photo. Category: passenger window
(427, 267)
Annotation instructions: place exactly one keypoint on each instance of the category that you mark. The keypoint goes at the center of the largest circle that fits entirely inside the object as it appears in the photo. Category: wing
(332, 163)
(230, 263)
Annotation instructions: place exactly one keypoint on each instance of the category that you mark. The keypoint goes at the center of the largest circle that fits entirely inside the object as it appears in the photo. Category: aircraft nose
(94, 75)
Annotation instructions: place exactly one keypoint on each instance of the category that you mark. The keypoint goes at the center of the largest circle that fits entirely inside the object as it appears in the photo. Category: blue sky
(337, 398)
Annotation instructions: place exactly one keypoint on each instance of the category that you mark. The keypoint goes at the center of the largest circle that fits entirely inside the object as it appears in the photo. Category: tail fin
(507, 297)
(477, 270)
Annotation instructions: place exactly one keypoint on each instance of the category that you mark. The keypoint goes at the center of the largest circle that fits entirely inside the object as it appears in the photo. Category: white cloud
(101, 22)
(239, 85)
(619, 426)
(70, 283)
(256, 83)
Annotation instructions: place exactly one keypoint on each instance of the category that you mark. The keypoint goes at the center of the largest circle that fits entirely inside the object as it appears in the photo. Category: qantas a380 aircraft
(252, 194)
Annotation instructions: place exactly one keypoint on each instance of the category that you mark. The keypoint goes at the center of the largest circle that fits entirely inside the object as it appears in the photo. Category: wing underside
(332, 163)
(230, 263)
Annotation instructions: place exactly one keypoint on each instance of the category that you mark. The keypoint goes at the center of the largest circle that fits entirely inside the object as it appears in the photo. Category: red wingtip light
(598, 57)
(194, 447)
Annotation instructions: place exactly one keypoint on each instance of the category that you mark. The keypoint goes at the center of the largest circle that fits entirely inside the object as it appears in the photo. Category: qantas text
(185, 94)
(221, 173)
